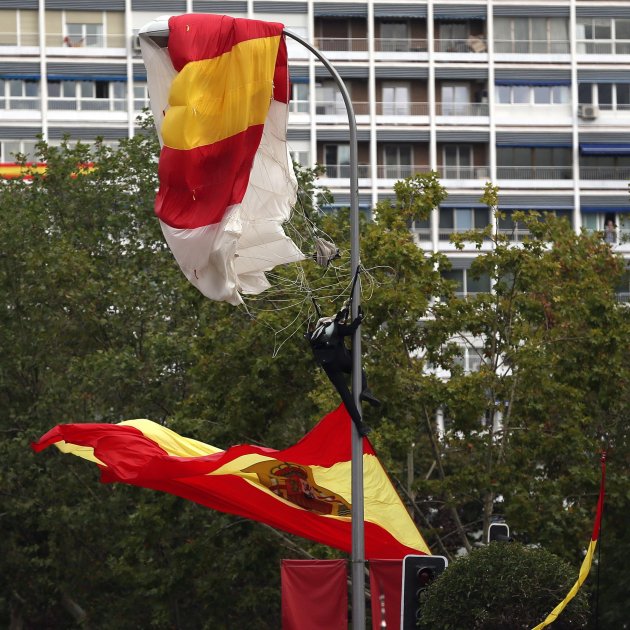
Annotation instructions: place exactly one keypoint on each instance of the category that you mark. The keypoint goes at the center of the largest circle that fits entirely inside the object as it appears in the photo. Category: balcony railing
(469, 45)
(532, 46)
(464, 172)
(515, 234)
(88, 105)
(534, 172)
(603, 47)
(342, 171)
(402, 109)
(20, 102)
(336, 108)
(462, 109)
(400, 45)
(622, 297)
(605, 172)
(109, 40)
(341, 44)
(11, 38)
(444, 234)
(399, 171)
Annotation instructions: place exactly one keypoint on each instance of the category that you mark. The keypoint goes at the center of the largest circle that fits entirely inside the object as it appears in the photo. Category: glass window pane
(561, 94)
(88, 89)
(602, 29)
(604, 95)
(31, 88)
(477, 285)
(15, 87)
(542, 94)
(69, 89)
(503, 93)
(521, 29)
(457, 275)
(54, 89)
(623, 95)
(481, 217)
(11, 149)
(520, 93)
(446, 218)
(463, 219)
(622, 29)
(585, 93)
(589, 221)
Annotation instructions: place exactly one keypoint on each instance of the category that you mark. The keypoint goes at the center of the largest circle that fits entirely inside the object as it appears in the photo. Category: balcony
(464, 172)
(400, 171)
(342, 171)
(531, 47)
(31, 103)
(603, 47)
(88, 105)
(471, 44)
(348, 48)
(90, 45)
(617, 173)
(535, 172)
(386, 45)
(461, 109)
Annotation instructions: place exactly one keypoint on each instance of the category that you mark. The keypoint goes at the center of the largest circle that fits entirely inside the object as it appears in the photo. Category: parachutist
(328, 344)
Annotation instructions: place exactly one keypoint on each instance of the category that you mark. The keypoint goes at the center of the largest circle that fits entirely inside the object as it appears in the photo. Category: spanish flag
(304, 489)
(588, 559)
(219, 95)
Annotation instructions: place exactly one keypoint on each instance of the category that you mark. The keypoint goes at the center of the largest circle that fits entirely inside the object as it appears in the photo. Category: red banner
(386, 590)
(314, 595)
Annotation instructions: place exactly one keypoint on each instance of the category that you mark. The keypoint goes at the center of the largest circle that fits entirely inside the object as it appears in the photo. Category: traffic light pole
(358, 537)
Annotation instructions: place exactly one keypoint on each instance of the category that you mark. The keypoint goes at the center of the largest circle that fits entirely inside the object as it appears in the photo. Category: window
(394, 37)
(10, 148)
(533, 94)
(607, 96)
(301, 157)
(329, 99)
(538, 35)
(396, 99)
(453, 37)
(457, 161)
(534, 162)
(140, 96)
(455, 99)
(467, 283)
(605, 167)
(87, 95)
(603, 36)
(337, 160)
(453, 220)
(79, 35)
(397, 160)
(299, 98)
(19, 94)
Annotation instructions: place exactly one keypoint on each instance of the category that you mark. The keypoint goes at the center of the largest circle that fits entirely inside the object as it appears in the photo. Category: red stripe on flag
(197, 36)
(198, 185)
(600, 500)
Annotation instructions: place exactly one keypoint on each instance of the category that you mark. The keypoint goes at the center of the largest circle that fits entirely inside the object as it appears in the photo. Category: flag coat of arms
(304, 489)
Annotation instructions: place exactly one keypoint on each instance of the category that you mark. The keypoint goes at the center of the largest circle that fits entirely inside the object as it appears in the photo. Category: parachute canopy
(219, 94)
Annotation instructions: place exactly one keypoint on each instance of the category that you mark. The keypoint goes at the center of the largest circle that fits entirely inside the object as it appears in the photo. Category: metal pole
(358, 539)
(158, 31)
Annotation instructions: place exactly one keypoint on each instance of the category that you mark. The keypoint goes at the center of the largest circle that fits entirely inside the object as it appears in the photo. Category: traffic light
(499, 532)
(418, 573)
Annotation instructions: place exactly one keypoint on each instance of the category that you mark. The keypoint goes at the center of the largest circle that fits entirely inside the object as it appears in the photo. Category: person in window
(327, 342)
(610, 232)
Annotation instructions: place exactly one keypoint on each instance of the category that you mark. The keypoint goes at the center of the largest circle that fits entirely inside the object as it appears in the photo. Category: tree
(503, 586)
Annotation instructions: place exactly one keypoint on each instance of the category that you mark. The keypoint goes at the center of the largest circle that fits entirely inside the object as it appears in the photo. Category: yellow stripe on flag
(584, 571)
(213, 99)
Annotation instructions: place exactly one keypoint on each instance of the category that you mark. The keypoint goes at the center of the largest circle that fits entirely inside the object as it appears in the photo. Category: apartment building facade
(534, 97)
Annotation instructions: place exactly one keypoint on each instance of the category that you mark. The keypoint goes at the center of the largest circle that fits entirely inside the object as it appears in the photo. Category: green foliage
(503, 586)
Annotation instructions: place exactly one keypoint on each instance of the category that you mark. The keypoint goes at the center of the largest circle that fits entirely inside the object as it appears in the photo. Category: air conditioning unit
(135, 41)
(588, 112)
